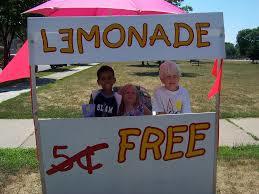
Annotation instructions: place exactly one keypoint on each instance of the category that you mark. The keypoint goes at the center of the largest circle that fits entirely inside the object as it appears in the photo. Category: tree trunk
(7, 45)
(6, 54)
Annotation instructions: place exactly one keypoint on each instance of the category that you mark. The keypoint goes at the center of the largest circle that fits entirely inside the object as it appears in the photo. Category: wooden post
(36, 124)
(217, 106)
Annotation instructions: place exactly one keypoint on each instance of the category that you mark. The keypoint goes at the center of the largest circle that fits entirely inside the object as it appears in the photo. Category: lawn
(237, 171)
(12, 161)
(51, 71)
(63, 98)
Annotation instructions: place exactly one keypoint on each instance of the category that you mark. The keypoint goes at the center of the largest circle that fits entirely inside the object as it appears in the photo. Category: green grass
(60, 104)
(236, 166)
(63, 98)
(12, 160)
(239, 152)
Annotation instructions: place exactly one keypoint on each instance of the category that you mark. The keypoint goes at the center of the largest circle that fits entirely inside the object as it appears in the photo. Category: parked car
(56, 66)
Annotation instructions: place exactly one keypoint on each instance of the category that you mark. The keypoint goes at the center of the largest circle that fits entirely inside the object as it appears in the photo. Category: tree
(253, 51)
(12, 23)
(243, 41)
(178, 3)
(237, 50)
(231, 50)
(248, 43)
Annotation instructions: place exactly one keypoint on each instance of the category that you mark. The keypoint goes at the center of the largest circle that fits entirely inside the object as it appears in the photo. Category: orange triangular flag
(217, 84)
(215, 68)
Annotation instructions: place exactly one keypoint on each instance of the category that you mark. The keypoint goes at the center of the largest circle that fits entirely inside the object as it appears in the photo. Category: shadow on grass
(156, 74)
(140, 65)
(44, 81)
(147, 74)
(25, 84)
(81, 64)
(190, 74)
(57, 70)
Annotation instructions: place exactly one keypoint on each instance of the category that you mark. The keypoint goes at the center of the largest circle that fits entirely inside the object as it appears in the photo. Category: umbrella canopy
(18, 67)
(104, 8)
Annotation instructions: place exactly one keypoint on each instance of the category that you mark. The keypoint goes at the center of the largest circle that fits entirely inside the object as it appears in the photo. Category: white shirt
(171, 102)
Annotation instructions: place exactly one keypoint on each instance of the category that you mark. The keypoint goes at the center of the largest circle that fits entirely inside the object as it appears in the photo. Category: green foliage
(1, 54)
(178, 3)
(187, 8)
(243, 41)
(248, 43)
(231, 50)
(13, 23)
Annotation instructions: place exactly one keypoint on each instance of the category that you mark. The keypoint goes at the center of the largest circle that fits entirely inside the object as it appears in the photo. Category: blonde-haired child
(131, 104)
(170, 98)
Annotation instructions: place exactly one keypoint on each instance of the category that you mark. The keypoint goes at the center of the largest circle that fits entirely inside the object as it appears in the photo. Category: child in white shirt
(170, 98)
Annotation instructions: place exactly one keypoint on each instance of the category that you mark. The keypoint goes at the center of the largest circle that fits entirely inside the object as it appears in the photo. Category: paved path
(43, 67)
(233, 132)
(9, 92)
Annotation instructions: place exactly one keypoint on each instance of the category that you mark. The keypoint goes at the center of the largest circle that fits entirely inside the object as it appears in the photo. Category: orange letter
(142, 41)
(154, 145)
(124, 144)
(122, 35)
(69, 39)
(201, 32)
(46, 48)
(172, 139)
(177, 42)
(193, 137)
(95, 32)
(159, 34)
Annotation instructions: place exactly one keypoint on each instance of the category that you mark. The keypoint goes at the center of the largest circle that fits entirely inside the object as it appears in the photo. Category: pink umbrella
(18, 67)
(104, 7)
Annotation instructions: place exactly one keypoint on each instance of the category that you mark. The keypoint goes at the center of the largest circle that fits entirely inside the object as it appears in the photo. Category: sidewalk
(233, 132)
(9, 92)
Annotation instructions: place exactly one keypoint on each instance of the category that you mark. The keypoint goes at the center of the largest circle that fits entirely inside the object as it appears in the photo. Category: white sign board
(57, 40)
(129, 155)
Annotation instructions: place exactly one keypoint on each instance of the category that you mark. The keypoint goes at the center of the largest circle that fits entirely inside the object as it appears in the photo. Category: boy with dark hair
(106, 101)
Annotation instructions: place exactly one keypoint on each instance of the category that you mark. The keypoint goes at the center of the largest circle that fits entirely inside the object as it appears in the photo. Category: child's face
(171, 81)
(130, 96)
(106, 81)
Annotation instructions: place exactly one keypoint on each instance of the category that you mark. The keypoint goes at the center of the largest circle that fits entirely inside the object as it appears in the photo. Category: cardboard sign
(126, 155)
(60, 40)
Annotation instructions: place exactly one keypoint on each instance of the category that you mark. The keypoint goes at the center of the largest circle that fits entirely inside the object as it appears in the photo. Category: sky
(238, 15)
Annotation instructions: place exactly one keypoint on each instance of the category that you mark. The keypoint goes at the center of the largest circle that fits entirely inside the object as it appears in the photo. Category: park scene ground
(193, 34)
(239, 90)
(238, 163)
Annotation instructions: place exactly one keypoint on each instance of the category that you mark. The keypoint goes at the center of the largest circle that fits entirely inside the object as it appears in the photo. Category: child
(170, 98)
(106, 101)
(131, 105)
